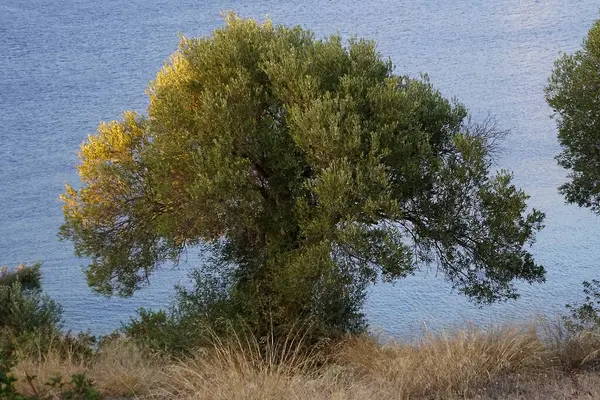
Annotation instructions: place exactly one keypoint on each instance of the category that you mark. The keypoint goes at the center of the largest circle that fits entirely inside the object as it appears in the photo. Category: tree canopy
(311, 170)
(574, 95)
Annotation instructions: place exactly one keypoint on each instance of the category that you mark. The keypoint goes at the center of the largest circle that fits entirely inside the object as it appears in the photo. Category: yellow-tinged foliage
(117, 142)
(109, 168)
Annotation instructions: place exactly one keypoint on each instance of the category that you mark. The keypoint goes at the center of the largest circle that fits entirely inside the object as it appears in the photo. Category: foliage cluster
(28, 316)
(573, 95)
(194, 318)
(23, 308)
(585, 315)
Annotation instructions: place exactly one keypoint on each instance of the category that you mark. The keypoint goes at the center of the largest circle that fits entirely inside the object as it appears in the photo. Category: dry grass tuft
(512, 362)
(569, 350)
(244, 368)
(444, 365)
(123, 369)
(120, 369)
(42, 369)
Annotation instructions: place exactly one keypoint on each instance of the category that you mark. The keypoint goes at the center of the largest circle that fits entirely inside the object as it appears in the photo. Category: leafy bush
(158, 330)
(585, 316)
(23, 308)
(27, 317)
(80, 387)
(27, 311)
(7, 381)
(29, 277)
(196, 314)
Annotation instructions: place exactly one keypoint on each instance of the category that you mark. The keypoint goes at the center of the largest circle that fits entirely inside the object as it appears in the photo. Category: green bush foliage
(23, 308)
(573, 95)
(27, 276)
(159, 330)
(30, 322)
(585, 315)
(195, 316)
(7, 381)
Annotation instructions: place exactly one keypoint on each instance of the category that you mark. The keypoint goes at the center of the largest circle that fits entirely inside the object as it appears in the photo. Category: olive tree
(574, 95)
(310, 169)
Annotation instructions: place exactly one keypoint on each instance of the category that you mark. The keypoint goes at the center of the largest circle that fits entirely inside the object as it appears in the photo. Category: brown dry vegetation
(524, 362)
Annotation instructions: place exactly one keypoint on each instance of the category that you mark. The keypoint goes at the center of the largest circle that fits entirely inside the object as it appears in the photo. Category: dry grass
(120, 369)
(239, 369)
(460, 364)
(497, 363)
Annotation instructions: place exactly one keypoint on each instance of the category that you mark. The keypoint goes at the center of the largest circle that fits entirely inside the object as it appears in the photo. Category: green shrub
(585, 316)
(23, 307)
(26, 315)
(7, 381)
(27, 311)
(80, 387)
(28, 276)
(193, 318)
(157, 330)
(208, 311)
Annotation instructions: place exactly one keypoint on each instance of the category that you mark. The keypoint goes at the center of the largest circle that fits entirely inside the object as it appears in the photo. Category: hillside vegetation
(499, 363)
